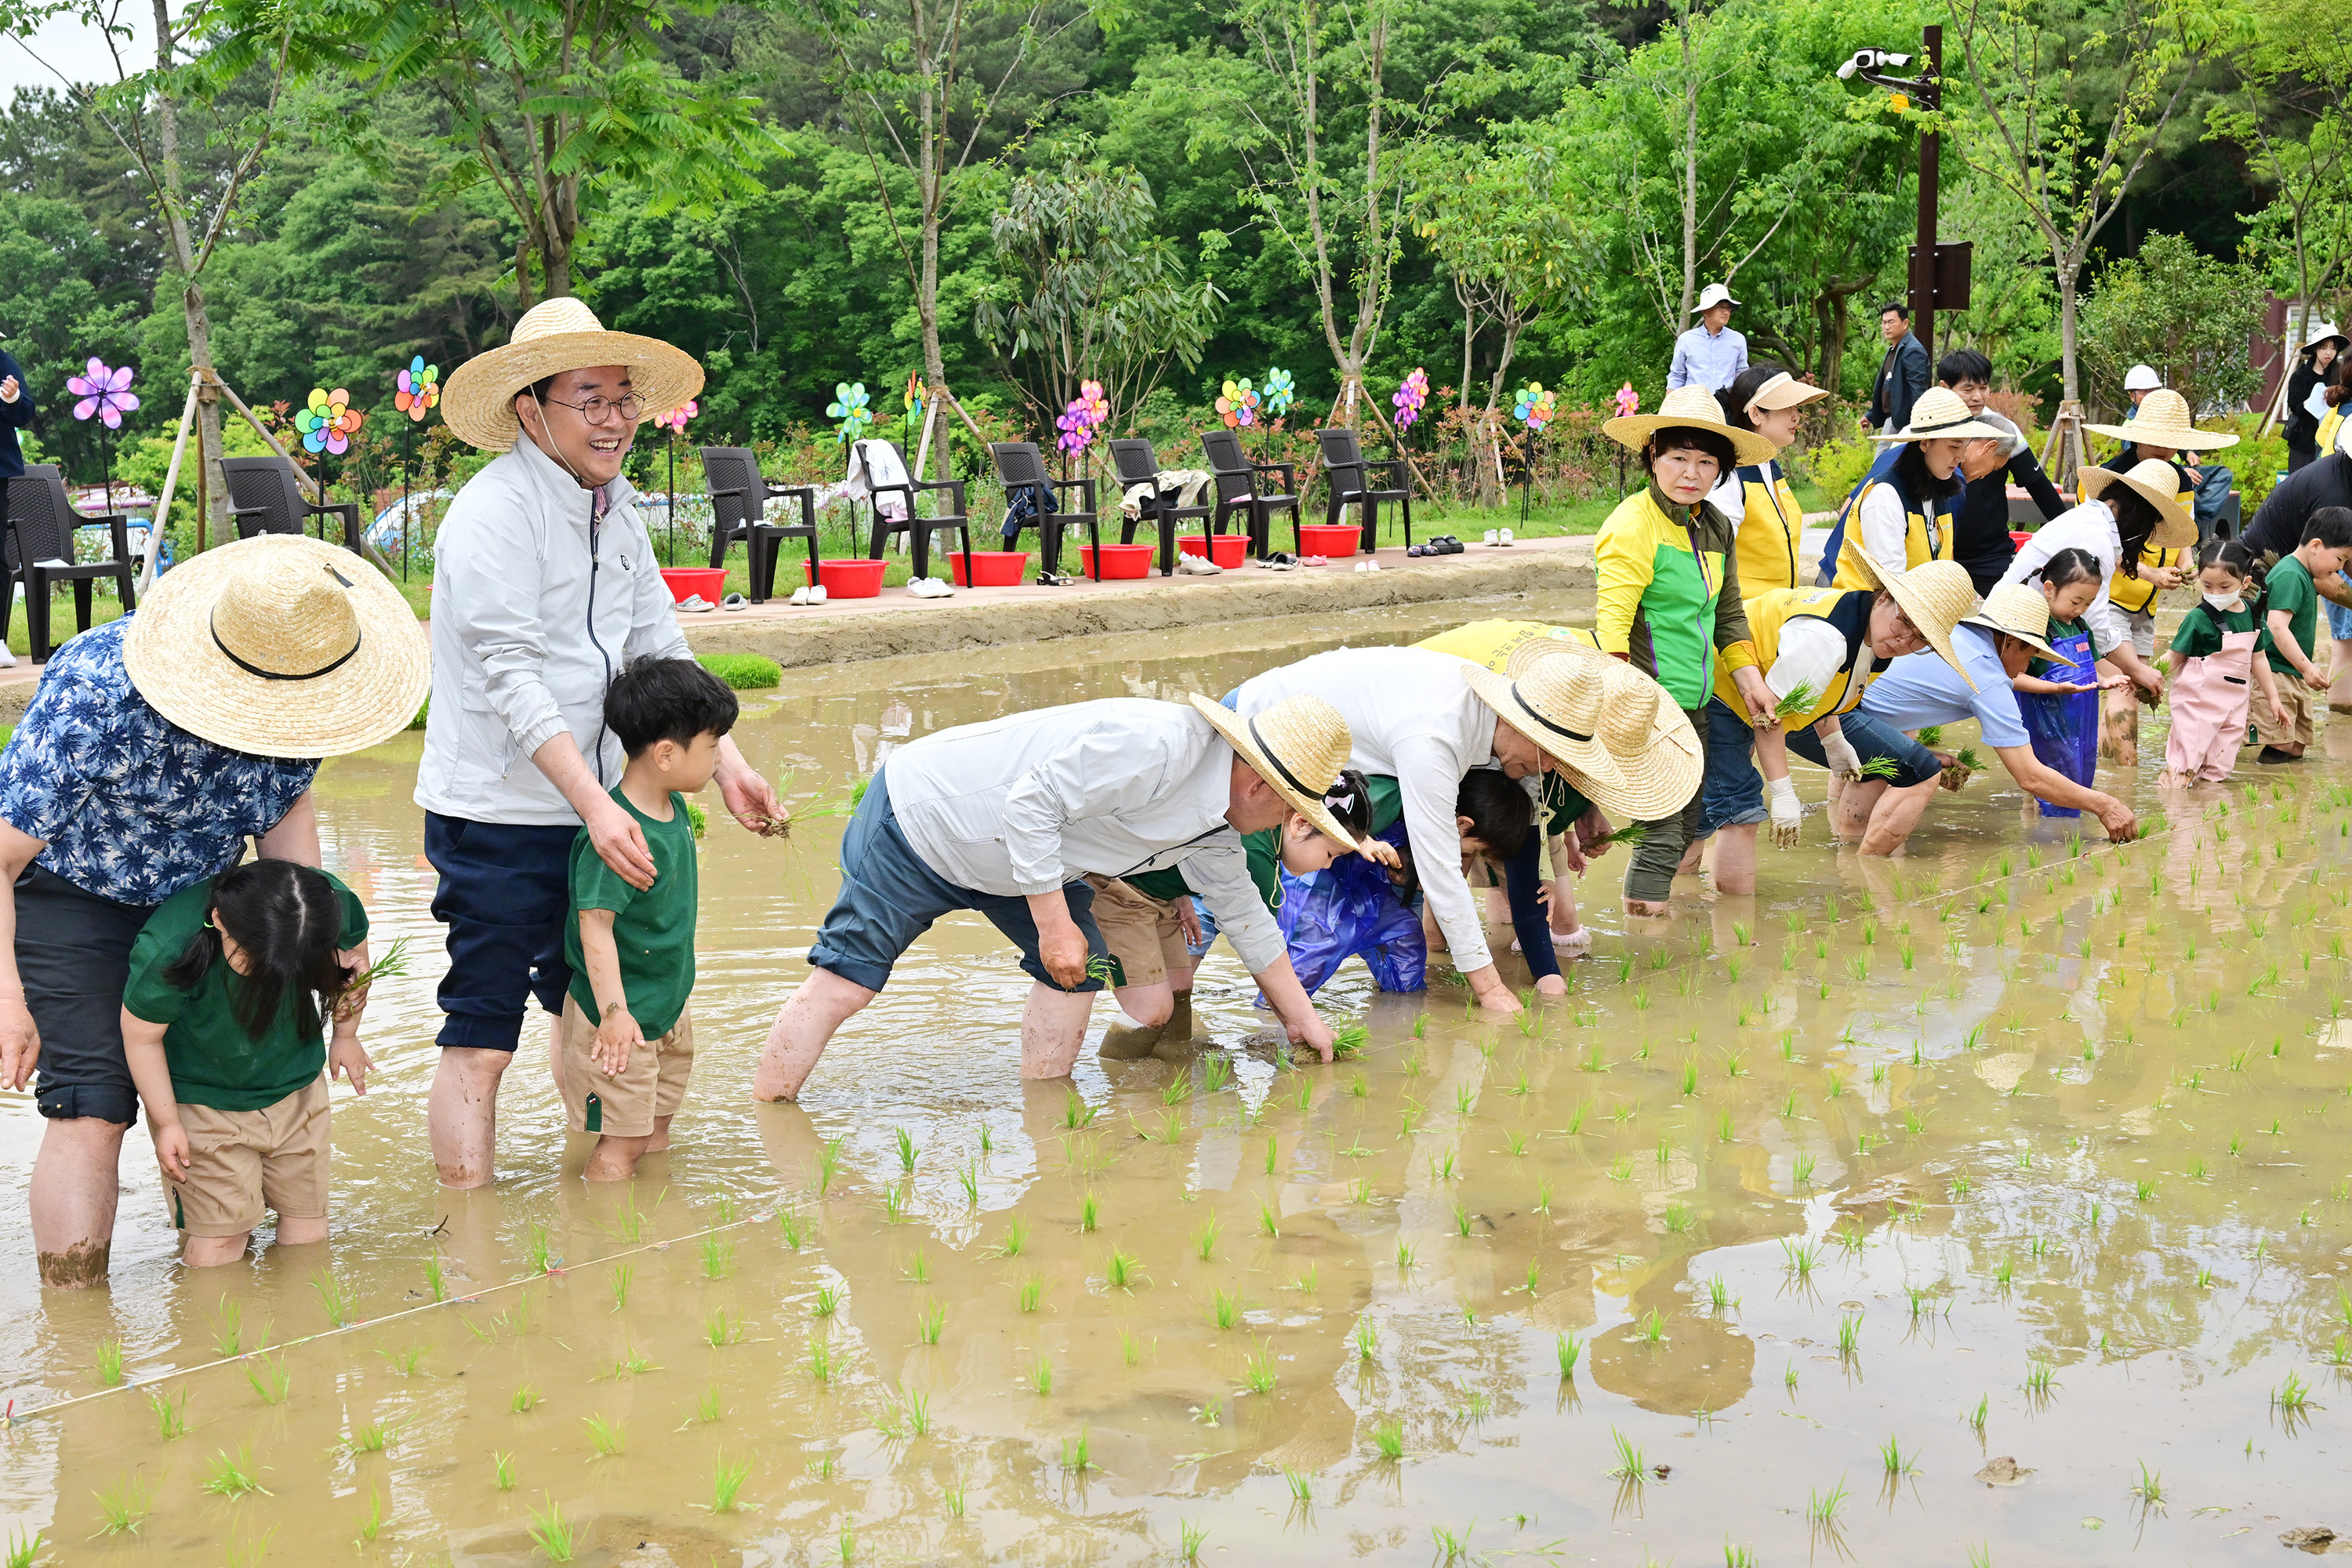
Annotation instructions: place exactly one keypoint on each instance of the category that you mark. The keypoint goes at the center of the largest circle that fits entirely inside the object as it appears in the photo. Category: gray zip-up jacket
(537, 606)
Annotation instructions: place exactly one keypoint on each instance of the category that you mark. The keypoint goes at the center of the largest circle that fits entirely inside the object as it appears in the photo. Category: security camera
(1871, 60)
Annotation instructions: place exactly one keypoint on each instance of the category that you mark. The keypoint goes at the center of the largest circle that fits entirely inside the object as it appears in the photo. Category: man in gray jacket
(1007, 817)
(545, 586)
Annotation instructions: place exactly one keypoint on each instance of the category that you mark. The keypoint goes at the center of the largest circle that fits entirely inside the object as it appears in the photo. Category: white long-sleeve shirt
(1886, 527)
(2090, 527)
(1413, 718)
(1022, 805)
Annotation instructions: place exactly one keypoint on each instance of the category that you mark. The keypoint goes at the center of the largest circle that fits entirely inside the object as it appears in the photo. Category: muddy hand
(171, 1151)
(1062, 951)
(751, 801)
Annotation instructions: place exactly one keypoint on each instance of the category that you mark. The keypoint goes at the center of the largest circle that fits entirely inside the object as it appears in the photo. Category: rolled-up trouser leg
(1651, 876)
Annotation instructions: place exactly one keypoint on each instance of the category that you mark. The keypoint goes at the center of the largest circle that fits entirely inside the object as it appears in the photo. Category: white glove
(1788, 817)
(1841, 756)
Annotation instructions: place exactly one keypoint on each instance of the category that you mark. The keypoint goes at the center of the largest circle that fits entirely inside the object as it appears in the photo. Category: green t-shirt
(2289, 588)
(213, 1061)
(1264, 851)
(2053, 670)
(653, 930)
(2201, 628)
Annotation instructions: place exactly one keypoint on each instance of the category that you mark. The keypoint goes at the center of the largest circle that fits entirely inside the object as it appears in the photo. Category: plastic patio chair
(40, 550)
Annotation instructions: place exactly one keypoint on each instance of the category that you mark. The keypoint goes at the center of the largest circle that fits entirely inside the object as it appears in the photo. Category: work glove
(1788, 817)
(1838, 752)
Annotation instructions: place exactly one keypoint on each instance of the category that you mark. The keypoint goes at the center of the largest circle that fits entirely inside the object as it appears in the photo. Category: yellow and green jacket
(1847, 609)
(1669, 594)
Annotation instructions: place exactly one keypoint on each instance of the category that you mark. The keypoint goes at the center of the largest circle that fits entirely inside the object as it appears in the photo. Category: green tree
(2186, 313)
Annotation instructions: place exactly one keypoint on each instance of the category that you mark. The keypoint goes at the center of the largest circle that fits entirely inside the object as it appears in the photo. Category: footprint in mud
(2003, 1472)
(2315, 1538)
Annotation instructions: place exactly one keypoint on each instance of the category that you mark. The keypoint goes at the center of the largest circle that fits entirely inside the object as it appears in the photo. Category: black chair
(919, 529)
(40, 553)
(1349, 474)
(1021, 467)
(1236, 480)
(264, 497)
(739, 498)
(1137, 464)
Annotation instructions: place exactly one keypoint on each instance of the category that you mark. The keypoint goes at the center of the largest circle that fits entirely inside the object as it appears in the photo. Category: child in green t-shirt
(627, 1046)
(2291, 614)
(223, 1018)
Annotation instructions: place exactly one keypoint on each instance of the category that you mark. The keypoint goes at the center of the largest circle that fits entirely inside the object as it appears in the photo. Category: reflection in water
(1996, 1106)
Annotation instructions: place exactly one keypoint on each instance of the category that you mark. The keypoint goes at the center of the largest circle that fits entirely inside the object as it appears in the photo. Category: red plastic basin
(685, 582)
(848, 579)
(1117, 561)
(1226, 550)
(1329, 540)
(990, 568)
(2018, 539)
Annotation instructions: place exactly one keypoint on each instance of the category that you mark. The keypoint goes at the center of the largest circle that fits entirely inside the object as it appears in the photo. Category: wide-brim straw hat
(1690, 407)
(1784, 391)
(1297, 746)
(1615, 733)
(1940, 415)
(2014, 610)
(1936, 595)
(2162, 420)
(280, 645)
(553, 336)
(2154, 478)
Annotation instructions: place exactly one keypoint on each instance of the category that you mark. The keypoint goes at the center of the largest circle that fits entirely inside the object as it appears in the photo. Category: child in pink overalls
(2217, 651)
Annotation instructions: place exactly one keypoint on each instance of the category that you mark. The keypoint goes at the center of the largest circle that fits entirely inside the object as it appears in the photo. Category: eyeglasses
(629, 409)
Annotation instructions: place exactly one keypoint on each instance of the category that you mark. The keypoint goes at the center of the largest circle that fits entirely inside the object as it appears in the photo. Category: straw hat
(1936, 595)
(1615, 733)
(553, 336)
(2014, 610)
(1688, 407)
(280, 645)
(1941, 415)
(1297, 746)
(1784, 391)
(2154, 478)
(2326, 332)
(2162, 420)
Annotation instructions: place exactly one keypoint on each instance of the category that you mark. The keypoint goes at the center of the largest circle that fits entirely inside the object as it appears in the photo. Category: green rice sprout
(20, 1550)
(718, 1257)
(1822, 1508)
(1301, 1484)
(1225, 1309)
(368, 1437)
(539, 1250)
(1259, 1371)
(727, 1485)
(1031, 1293)
(391, 967)
(1566, 1349)
(906, 1149)
(1631, 834)
(269, 1378)
(2291, 1397)
(720, 1332)
(109, 1362)
(1405, 1256)
(791, 1229)
(171, 1413)
(1269, 1222)
(335, 1299)
(1631, 1468)
(1120, 1271)
(828, 1300)
(1040, 1376)
(1204, 1240)
(1349, 1041)
(956, 1498)
(2040, 1377)
(932, 1323)
(124, 1507)
(371, 1521)
(2149, 1487)
(551, 1533)
(502, 1469)
(1367, 1338)
(1849, 1338)
(525, 1399)
(233, 1478)
(706, 1406)
(1090, 1211)
(1075, 1452)
(1798, 703)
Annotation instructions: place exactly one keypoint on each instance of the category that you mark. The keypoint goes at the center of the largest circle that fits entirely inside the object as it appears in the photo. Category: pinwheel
(1412, 397)
(329, 422)
(1239, 404)
(1277, 395)
(849, 405)
(419, 389)
(914, 396)
(1533, 406)
(103, 391)
(675, 420)
(1629, 401)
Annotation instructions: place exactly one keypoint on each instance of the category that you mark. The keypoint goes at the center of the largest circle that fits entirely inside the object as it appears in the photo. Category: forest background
(1161, 195)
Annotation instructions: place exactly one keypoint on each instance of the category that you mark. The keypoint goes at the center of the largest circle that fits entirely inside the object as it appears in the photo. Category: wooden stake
(171, 479)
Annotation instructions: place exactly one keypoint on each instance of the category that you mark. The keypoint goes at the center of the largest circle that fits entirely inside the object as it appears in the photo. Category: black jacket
(13, 416)
(2279, 525)
(2301, 426)
(1981, 539)
(1902, 377)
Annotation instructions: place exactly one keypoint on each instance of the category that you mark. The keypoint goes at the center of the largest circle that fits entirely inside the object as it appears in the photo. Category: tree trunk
(1690, 173)
(197, 318)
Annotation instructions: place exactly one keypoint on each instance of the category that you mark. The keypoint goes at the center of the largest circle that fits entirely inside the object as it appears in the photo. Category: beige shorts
(1141, 931)
(623, 1105)
(243, 1162)
(2297, 698)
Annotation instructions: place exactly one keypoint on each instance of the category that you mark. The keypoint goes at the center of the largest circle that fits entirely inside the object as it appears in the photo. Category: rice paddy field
(1988, 1205)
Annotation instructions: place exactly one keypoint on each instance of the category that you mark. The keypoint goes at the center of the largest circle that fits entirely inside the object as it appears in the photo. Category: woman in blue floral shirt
(155, 746)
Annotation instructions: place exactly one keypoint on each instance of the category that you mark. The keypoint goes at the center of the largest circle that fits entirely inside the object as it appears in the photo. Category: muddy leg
(75, 1187)
(461, 1113)
(212, 1251)
(1144, 1012)
(1896, 815)
(1053, 1028)
(2339, 678)
(1735, 858)
(802, 1030)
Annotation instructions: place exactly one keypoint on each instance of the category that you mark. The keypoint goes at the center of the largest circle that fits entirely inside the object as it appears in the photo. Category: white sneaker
(1507, 537)
(7, 658)
(1372, 565)
(928, 588)
(1493, 538)
(800, 596)
(1197, 566)
(816, 595)
(695, 605)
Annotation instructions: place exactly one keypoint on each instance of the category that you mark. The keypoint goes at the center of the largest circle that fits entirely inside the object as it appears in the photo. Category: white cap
(2142, 378)
(1711, 295)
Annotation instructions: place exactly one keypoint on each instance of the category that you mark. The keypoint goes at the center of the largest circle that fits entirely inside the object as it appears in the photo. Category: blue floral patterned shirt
(132, 807)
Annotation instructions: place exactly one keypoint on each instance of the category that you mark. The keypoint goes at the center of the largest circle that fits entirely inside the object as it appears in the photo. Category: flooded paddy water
(1987, 1205)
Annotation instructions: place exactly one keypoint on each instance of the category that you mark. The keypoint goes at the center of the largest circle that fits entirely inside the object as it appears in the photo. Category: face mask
(2226, 603)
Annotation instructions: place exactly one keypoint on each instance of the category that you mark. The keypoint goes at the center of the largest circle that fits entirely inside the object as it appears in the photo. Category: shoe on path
(799, 596)
(733, 602)
(1197, 566)
(1493, 539)
(1507, 537)
(695, 605)
(816, 595)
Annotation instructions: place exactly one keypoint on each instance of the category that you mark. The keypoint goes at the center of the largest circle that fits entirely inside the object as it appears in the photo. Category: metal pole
(1923, 268)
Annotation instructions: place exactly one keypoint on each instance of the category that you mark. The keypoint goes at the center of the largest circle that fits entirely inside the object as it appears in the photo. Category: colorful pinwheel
(1086, 415)
(849, 405)
(1277, 395)
(1410, 397)
(1239, 404)
(103, 391)
(914, 395)
(675, 420)
(329, 422)
(1629, 401)
(1534, 408)
(420, 389)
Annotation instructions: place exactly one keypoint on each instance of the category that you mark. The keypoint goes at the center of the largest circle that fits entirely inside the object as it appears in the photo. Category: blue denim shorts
(1733, 791)
(2339, 620)
(890, 896)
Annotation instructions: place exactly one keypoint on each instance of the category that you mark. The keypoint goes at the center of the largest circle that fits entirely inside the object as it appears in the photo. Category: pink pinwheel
(1086, 415)
(675, 420)
(1628, 400)
(103, 391)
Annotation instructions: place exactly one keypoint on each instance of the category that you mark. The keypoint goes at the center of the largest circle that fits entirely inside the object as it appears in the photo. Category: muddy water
(2001, 1151)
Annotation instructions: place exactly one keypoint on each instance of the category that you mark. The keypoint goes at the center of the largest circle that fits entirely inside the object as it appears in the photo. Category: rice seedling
(1849, 1340)
(1804, 1170)
(551, 1533)
(2291, 1397)
(1629, 1467)
(828, 1300)
(1678, 1217)
(1653, 1330)
(335, 1299)
(1225, 1309)
(2039, 1378)
(1594, 1061)
(1566, 1349)
(2003, 1272)
(1404, 1258)
(233, 1478)
(1031, 1295)
(1259, 1371)
(371, 1521)
(1621, 1168)
(269, 1378)
(1822, 1508)
(820, 1361)
(1802, 1255)
(171, 1414)
(1897, 1462)
(2149, 1487)
(19, 1551)
(1040, 1377)
(1204, 1240)
(2146, 1189)
(368, 1437)
(792, 1228)
(124, 1507)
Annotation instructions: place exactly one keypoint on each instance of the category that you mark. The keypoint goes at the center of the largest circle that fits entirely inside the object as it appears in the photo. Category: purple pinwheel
(103, 391)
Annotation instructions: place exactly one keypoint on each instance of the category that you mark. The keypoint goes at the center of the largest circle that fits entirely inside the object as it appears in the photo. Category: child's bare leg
(615, 1159)
(212, 1251)
(660, 1139)
(1498, 907)
(556, 1053)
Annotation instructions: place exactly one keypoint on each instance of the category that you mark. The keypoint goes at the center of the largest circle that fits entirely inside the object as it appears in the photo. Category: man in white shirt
(1007, 817)
(1709, 354)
